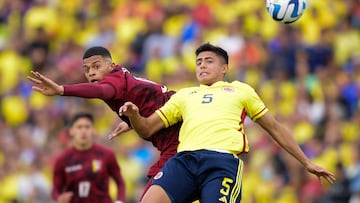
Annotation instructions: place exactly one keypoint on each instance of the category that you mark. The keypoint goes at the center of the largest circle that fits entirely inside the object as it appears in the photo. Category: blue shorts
(206, 175)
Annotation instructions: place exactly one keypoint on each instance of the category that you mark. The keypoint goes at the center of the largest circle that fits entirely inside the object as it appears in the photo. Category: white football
(286, 11)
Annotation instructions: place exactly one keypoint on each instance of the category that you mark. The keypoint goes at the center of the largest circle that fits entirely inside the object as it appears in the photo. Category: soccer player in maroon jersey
(82, 172)
(115, 85)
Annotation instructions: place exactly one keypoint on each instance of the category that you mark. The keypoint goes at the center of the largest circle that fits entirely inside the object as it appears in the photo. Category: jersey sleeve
(115, 173)
(118, 81)
(58, 180)
(90, 90)
(170, 112)
(254, 106)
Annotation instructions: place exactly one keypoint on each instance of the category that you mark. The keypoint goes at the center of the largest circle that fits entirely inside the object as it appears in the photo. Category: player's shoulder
(187, 90)
(103, 148)
(240, 85)
(64, 154)
(118, 70)
(113, 76)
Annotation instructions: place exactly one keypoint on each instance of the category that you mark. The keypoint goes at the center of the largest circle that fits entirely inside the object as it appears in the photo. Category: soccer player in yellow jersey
(211, 136)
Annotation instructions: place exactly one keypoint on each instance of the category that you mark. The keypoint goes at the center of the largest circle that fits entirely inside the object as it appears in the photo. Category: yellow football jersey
(213, 116)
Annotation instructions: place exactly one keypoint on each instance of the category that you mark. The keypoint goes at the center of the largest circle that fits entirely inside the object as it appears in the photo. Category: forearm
(285, 139)
(145, 127)
(89, 90)
(140, 125)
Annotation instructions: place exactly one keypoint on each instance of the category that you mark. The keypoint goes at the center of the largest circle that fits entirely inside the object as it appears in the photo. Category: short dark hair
(217, 50)
(98, 50)
(80, 115)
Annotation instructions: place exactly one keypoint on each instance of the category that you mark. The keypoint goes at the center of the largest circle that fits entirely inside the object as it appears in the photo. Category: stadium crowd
(308, 73)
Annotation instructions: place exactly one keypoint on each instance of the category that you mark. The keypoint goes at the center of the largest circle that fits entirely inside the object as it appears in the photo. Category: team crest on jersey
(228, 89)
(158, 175)
(96, 165)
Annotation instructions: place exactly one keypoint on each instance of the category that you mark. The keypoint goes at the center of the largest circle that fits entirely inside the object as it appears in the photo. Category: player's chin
(202, 79)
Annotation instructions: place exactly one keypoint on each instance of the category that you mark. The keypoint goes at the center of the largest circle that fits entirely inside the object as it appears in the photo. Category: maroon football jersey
(86, 174)
(148, 96)
(121, 86)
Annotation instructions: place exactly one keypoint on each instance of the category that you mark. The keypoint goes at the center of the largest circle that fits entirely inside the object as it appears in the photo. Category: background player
(211, 136)
(82, 172)
(115, 85)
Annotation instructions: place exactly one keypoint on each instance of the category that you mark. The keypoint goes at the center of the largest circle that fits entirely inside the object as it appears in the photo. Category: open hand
(321, 173)
(45, 85)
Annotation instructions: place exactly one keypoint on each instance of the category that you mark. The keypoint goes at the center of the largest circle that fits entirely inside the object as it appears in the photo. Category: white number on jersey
(84, 188)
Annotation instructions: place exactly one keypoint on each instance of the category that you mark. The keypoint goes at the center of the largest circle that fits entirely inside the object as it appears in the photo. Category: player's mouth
(203, 74)
(94, 81)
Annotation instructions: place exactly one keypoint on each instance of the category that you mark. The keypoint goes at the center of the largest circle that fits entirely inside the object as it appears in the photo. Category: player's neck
(83, 147)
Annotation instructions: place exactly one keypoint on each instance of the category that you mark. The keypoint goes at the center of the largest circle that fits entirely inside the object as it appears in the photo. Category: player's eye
(209, 61)
(86, 69)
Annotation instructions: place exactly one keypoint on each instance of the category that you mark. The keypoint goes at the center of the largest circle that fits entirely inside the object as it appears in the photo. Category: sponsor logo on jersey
(228, 89)
(164, 89)
(73, 168)
(158, 175)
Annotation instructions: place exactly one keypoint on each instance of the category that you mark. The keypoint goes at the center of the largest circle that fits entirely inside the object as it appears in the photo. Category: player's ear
(225, 68)
(112, 66)
(71, 132)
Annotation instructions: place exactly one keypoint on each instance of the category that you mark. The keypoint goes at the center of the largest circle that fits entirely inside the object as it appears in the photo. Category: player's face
(210, 68)
(82, 131)
(97, 67)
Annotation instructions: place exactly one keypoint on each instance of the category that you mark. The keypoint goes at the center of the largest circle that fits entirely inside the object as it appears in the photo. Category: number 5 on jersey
(207, 98)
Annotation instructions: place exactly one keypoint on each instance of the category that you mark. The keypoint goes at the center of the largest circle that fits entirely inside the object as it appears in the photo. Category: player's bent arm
(283, 137)
(145, 127)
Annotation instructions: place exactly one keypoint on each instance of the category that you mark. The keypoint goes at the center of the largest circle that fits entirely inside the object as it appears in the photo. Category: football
(285, 11)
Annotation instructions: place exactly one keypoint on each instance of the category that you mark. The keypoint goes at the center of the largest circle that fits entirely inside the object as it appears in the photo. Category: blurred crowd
(308, 74)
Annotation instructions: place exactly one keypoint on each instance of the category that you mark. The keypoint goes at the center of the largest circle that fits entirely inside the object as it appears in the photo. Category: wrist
(61, 92)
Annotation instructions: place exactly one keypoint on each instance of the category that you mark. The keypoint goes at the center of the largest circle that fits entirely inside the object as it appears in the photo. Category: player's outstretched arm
(145, 127)
(45, 85)
(285, 139)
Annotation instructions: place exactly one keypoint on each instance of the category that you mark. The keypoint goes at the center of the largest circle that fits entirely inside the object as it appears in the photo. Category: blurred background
(308, 74)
